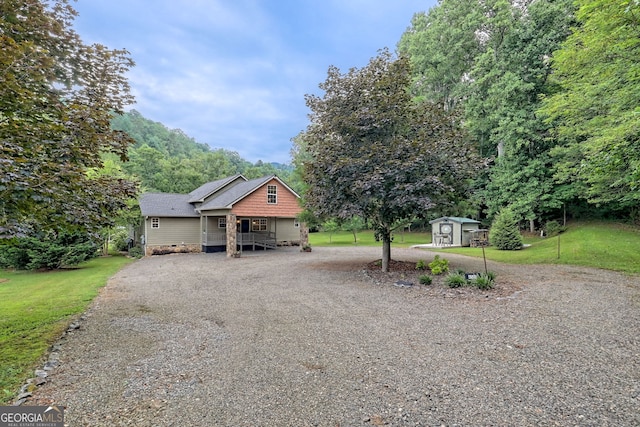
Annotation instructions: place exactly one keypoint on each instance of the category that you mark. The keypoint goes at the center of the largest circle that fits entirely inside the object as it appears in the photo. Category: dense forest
(167, 160)
(549, 91)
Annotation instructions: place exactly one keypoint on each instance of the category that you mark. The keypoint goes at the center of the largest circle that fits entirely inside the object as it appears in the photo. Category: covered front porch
(218, 234)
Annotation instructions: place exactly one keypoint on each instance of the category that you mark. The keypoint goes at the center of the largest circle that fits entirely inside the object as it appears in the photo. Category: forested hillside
(549, 92)
(168, 160)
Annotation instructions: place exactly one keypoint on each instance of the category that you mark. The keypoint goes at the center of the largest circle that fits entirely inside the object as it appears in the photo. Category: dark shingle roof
(167, 204)
(205, 190)
(184, 205)
(230, 196)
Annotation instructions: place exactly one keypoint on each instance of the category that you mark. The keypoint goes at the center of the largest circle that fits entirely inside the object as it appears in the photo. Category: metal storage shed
(452, 231)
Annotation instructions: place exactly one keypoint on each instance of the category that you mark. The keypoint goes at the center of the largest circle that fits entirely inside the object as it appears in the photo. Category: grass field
(611, 246)
(35, 308)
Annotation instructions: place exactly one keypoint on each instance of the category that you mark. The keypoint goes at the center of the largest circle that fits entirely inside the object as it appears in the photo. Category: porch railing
(214, 238)
(261, 239)
(264, 239)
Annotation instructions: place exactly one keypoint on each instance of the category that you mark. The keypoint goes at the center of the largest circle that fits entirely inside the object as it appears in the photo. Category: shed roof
(167, 204)
(457, 219)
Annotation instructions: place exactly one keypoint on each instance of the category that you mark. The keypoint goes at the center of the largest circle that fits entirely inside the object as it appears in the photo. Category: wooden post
(231, 235)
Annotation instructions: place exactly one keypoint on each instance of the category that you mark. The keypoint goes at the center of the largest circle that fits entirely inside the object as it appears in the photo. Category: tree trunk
(532, 225)
(386, 251)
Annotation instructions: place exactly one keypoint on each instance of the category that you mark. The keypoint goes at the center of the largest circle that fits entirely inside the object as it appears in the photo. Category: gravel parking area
(285, 338)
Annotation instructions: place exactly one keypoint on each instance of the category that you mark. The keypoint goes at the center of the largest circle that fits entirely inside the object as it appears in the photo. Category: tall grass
(35, 308)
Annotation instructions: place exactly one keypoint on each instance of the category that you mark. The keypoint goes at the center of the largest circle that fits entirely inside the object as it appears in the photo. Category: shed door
(446, 228)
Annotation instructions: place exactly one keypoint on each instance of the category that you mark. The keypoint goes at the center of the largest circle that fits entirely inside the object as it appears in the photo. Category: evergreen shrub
(50, 252)
(505, 234)
(136, 252)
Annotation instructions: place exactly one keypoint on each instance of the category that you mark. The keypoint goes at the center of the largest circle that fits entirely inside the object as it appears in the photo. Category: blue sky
(233, 73)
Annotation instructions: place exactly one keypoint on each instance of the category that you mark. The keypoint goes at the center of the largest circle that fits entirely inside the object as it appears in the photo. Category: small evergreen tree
(505, 234)
(48, 251)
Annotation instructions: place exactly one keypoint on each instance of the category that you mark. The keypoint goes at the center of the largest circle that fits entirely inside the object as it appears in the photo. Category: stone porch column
(231, 235)
(304, 235)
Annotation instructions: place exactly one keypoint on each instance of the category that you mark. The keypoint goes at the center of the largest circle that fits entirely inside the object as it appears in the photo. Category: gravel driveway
(284, 338)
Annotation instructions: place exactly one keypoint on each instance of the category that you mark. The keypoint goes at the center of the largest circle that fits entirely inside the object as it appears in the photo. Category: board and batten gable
(256, 204)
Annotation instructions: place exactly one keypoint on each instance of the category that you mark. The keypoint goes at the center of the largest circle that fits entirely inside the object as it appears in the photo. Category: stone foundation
(289, 243)
(172, 249)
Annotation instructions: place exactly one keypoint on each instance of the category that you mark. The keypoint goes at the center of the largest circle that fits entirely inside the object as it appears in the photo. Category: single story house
(452, 231)
(229, 214)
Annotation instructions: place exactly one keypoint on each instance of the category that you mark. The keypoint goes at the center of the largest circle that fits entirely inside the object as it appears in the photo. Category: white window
(296, 223)
(222, 222)
(272, 194)
(259, 224)
(155, 222)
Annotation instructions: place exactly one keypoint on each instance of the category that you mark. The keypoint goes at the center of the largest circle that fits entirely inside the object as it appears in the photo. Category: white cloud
(234, 73)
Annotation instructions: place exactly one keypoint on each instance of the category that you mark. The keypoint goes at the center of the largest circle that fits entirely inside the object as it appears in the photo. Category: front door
(245, 225)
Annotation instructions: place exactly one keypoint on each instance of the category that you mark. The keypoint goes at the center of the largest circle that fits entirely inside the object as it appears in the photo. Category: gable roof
(167, 204)
(226, 199)
(183, 205)
(457, 219)
(201, 193)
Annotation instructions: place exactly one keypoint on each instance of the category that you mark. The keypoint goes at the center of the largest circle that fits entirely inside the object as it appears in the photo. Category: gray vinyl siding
(174, 231)
(286, 231)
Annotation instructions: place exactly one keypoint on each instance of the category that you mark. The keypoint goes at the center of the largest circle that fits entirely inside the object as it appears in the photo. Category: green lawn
(366, 238)
(607, 245)
(35, 308)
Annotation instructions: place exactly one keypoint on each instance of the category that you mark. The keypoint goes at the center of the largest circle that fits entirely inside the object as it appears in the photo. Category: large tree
(371, 151)
(503, 97)
(57, 97)
(442, 45)
(596, 108)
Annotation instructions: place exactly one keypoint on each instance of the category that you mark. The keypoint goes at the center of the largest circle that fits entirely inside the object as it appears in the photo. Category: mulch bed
(403, 272)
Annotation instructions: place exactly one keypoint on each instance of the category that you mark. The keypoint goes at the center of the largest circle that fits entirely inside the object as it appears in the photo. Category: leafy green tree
(443, 44)
(595, 108)
(57, 98)
(507, 81)
(147, 164)
(330, 226)
(505, 233)
(353, 225)
(373, 152)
